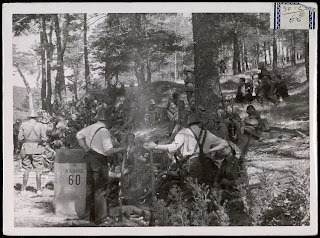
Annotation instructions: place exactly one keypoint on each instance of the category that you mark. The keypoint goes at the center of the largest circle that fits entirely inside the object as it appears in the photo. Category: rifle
(121, 185)
(232, 120)
(244, 166)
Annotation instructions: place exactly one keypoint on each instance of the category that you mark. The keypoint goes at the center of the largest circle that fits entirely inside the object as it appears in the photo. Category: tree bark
(86, 60)
(306, 52)
(293, 57)
(207, 85)
(27, 87)
(43, 68)
(269, 51)
(265, 53)
(258, 53)
(61, 46)
(236, 54)
(275, 52)
(148, 72)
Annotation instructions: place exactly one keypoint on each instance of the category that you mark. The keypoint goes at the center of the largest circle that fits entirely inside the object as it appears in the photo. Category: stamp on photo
(293, 15)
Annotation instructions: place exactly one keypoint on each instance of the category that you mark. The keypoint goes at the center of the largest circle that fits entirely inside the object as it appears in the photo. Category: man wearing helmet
(195, 146)
(32, 135)
(97, 142)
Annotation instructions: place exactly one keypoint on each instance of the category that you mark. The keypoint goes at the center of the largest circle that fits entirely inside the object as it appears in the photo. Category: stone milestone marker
(70, 183)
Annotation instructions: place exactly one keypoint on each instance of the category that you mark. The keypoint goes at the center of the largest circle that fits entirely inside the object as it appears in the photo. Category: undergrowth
(272, 204)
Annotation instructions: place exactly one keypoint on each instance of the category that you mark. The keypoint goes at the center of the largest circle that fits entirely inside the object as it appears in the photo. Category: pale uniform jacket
(187, 143)
(29, 135)
(101, 141)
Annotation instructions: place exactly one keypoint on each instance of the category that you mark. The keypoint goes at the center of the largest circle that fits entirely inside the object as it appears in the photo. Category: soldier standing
(97, 142)
(32, 135)
(16, 126)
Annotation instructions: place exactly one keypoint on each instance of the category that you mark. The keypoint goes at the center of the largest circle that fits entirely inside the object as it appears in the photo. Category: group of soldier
(263, 87)
(199, 138)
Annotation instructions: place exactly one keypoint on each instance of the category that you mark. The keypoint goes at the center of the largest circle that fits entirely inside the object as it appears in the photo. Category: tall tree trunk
(61, 46)
(49, 53)
(306, 52)
(86, 60)
(258, 53)
(148, 72)
(27, 87)
(207, 86)
(236, 54)
(269, 51)
(275, 52)
(294, 62)
(43, 70)
(265, 53)
(245, 52)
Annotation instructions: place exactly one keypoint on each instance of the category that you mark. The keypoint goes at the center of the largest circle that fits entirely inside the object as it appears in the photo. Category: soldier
(182, 121)
(280, 88)
(244, 92)
(32, 135)
(264, 90)
(195, 146)
(189, 84)
(56, 135)
(152, 115)
(16, 144)
(96, 141)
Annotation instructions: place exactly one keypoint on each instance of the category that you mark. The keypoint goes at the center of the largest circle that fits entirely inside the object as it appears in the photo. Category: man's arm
(220, 143)
(82, 140)
(173, 147)
(21, 135)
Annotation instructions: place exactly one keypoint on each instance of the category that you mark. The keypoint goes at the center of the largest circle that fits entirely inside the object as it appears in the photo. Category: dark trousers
(97, 180)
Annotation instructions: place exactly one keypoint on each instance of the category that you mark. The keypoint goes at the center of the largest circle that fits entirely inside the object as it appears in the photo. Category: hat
(152, 102)
(103, 114)
(193, 118)
(33, 114)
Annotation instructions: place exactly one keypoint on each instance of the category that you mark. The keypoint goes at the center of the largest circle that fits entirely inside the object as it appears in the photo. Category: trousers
(97, 180)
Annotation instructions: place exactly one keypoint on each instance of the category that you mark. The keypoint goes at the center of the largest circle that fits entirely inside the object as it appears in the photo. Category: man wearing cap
(32, 135)
(188, 143)
(97, 142)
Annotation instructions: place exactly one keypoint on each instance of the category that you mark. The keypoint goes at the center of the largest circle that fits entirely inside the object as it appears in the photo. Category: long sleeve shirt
(99, 142)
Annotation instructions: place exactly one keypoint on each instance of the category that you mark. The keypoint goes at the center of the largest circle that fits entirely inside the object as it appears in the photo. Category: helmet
(193, 118)
(103, 114)
(33, 114)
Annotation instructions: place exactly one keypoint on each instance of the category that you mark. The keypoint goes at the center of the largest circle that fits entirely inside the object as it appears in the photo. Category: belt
(92, 152)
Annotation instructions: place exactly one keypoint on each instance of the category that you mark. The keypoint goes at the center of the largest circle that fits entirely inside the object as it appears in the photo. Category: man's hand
(150, 145)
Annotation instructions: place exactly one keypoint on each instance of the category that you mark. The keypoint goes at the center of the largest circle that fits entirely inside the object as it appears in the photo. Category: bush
(273, 204)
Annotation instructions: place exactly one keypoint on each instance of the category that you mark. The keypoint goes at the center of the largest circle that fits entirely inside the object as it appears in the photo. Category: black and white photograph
(162, 117)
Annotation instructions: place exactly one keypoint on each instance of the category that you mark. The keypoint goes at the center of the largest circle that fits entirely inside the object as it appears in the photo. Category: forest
(104, 56)
(77, 53)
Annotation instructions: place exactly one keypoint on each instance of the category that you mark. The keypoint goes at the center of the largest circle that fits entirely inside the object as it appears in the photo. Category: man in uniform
(32, 135)
(192, 141)
(243, 93)
(97, 142)
(152, 114)
(264, 91)
(16, 143)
